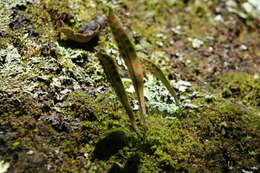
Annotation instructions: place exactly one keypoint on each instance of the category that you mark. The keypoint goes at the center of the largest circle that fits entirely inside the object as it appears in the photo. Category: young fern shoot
(114, 78)
(133, 63)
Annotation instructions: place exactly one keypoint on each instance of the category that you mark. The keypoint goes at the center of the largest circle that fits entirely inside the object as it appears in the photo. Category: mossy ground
(57, 109)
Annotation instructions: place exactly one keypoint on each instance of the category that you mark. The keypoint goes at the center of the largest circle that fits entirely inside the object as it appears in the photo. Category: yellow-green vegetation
(57, 111)
(240, 87)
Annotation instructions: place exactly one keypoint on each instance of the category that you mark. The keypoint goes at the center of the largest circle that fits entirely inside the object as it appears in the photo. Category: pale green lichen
(4, 166)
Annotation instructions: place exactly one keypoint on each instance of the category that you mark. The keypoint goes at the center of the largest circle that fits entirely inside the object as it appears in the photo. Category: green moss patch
(240, 87)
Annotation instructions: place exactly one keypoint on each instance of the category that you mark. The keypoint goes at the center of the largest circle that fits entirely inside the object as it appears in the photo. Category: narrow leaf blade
(113, 76)
(128, 53)
(157, 72)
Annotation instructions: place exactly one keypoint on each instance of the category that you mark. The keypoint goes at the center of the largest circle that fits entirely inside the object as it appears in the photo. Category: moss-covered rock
(109, 145)
(241, 87)
(57, 110)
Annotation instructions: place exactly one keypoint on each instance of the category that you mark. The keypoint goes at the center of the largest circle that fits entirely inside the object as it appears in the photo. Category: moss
(131, 165)
(113, 141)
(82, 106)
(224, 131)
(171, 145)
(208, 140)
(240, 86)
